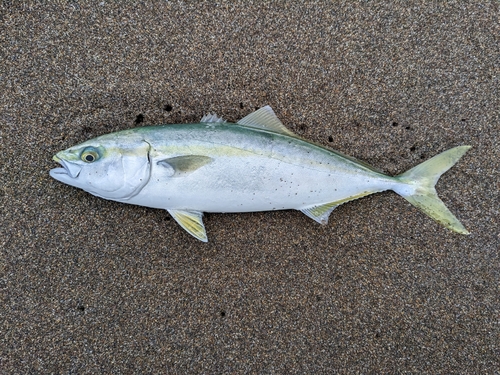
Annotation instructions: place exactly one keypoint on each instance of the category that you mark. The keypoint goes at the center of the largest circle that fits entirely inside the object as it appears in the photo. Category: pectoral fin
(183, 165)
(191, 221)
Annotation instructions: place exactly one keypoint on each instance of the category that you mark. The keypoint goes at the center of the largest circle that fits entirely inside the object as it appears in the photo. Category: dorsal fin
(264, 118)
(212, 117)
(356, 160)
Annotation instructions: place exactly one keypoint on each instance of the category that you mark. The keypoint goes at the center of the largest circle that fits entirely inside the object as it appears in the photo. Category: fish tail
(418, 187)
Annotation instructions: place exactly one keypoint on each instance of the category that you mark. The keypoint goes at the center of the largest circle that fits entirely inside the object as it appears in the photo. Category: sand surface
(93, 286)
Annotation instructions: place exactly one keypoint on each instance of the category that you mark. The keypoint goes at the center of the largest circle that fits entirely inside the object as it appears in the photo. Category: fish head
(115, 166)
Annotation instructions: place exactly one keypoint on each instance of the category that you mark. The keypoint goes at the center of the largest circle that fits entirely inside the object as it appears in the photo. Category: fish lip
(70, 169)
(58, 171)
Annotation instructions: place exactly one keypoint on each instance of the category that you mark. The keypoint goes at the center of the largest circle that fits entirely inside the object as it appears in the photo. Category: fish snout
(68, 168)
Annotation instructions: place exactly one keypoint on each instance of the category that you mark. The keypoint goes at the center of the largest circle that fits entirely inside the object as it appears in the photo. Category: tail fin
(419, 189)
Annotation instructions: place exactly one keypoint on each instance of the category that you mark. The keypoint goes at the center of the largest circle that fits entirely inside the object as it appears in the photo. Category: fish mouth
(70, 169)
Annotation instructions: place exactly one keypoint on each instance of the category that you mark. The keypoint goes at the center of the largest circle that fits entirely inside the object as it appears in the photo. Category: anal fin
(321, 212)
(191, 221)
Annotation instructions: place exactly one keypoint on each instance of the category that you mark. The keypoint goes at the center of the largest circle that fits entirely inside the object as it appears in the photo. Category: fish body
(256, 164)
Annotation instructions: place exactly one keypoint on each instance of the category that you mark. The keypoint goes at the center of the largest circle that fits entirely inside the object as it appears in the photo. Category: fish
(255, 164)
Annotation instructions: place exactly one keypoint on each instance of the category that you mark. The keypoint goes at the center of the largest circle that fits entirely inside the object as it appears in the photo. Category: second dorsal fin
(264, 118)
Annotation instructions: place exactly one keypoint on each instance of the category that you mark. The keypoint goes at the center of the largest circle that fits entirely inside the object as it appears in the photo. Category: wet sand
(94, 286)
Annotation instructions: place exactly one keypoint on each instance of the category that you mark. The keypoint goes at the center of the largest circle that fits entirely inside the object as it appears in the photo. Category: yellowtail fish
(256, 164)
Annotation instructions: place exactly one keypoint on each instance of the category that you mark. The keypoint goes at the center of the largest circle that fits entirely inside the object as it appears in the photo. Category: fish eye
(89, 155)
